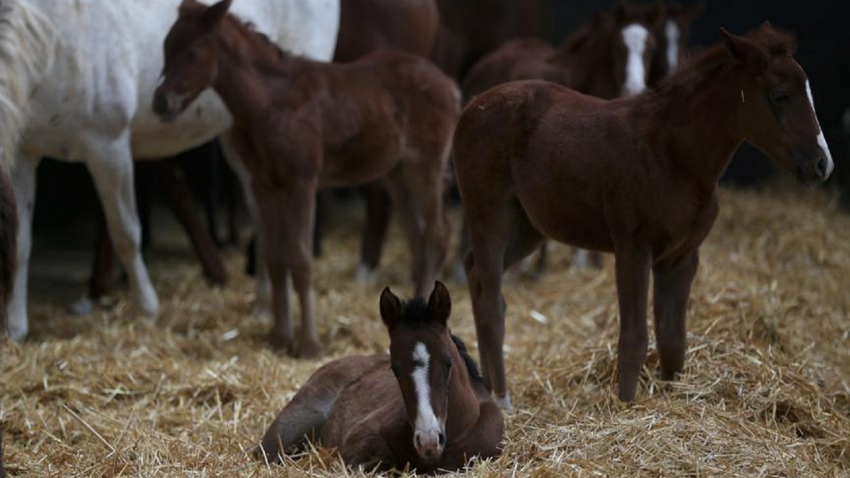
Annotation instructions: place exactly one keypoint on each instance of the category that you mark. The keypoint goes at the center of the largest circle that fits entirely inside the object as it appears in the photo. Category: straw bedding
(766, 391)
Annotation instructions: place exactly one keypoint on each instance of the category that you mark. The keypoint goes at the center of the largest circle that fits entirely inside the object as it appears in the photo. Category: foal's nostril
(159, 104)
(821, 167)
(442, 439)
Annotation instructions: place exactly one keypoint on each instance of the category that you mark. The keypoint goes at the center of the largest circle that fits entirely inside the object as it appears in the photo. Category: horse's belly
(205, 119)
(564, 207)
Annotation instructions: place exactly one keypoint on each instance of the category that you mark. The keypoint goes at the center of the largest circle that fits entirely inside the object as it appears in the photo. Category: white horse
(76, 83)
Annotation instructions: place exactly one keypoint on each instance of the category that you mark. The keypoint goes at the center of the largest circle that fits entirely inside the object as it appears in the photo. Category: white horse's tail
(28, 42)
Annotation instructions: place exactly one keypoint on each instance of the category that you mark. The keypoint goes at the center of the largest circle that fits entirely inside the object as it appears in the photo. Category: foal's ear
(440, 304)
(390, 308)
(654, 14)
(746, 51)
(217, 12)
(188, 6)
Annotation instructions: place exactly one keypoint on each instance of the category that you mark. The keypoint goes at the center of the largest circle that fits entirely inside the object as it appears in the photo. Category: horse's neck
(242, 83)
(463, 406)
(701, 134)
(582, 61)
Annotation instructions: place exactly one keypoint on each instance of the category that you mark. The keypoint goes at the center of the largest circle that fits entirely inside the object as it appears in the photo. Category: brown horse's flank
(371, 418)
(365, 27)
(301, 125)
(634, 176)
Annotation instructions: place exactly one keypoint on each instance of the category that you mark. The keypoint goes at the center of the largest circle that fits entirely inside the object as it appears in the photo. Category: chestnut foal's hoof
(282, 343)
(309, 348)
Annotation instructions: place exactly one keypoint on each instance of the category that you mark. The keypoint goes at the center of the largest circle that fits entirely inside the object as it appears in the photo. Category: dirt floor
(766, 391)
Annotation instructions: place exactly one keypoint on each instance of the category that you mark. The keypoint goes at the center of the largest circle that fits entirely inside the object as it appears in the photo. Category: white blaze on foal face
(635, 37)
(428, 431)
(821, 139)
(672, 34)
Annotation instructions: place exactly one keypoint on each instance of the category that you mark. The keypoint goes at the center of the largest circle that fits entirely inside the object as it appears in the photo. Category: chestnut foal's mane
(704, 67)
(414, 313)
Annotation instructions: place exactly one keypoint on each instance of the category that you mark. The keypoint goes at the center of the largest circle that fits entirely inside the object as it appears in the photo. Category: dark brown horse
(367, 26)
(301, 125)
(634, 176)
(471, 29)
(608, 57)
(435, 414)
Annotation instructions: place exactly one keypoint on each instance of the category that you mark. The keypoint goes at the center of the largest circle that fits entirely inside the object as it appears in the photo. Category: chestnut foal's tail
(8, 246)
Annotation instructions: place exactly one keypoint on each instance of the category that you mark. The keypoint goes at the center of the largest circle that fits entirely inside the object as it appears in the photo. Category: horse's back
(367, 25)
(519, 59)
(374, 390)
(109, 61)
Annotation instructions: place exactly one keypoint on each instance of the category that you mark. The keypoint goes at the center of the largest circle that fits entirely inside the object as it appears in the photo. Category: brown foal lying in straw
(435, 414)
(301, 125)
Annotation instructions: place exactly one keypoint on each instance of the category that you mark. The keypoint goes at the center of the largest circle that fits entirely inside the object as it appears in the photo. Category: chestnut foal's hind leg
(672, 287)
(378, 212)
(632, 266)
(424, 181)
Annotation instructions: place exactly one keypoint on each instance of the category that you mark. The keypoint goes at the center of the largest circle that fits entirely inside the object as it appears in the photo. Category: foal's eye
(448, 365)
(779, 98)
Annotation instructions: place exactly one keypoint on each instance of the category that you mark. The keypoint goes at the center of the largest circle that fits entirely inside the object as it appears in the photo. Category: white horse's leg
(112, 171)
(23, 179)
(262, 306)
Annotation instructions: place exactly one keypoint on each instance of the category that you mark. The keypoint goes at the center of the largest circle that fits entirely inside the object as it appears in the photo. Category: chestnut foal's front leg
(632, 266)
(672, 288)
(288, 213)
(483, 439)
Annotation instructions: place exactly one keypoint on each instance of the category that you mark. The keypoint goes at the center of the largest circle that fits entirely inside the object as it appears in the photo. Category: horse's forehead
(785, 69)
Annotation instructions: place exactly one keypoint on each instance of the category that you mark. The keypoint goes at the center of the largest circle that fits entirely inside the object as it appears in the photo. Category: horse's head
(673, 32)
(777, 110)
(191, 63)
(422, 357)
(634, 46)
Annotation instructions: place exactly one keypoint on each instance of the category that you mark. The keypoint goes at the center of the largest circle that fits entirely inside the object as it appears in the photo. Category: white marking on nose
(426, 421)
(634, 36)
(821, 139)
(671, 32)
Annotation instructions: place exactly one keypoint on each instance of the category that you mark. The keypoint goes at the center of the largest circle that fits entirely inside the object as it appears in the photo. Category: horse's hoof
(281, 343)
(459, 273)
(16, 334)
(309, 349)
(365, 274)
(83, 306)
(260, 310)
(504, 402)
(581, 260)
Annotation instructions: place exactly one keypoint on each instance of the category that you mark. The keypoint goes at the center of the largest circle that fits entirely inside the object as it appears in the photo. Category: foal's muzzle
(429, 444)
(814, 165)
(167, 105)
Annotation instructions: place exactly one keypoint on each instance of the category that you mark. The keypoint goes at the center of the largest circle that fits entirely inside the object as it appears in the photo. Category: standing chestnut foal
(435, 414)
(301, 125)
(634, 176)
